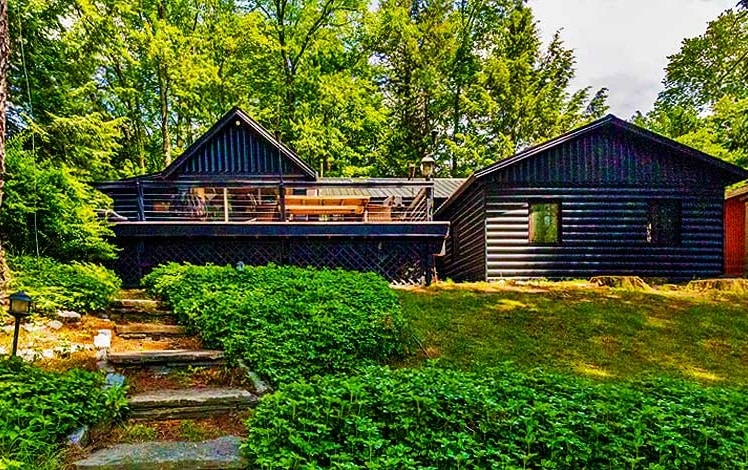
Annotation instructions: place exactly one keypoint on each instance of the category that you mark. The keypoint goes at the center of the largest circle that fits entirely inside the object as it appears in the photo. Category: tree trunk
(4, 60)
(163, 93)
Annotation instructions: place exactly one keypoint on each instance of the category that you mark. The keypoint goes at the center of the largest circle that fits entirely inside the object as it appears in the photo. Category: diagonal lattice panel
(399, 261)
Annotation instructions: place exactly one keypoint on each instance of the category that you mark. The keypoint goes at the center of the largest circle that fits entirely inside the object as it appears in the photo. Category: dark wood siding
(237, 150)
(603, 231)
(468, 226)
(735, 224)
(604, 158)
(604, 180)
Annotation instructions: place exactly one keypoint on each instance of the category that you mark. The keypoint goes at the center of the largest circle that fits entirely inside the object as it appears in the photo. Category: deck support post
(282, 201)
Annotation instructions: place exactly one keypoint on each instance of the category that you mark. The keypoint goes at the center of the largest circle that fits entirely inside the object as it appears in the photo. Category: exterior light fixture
(427, 166)
(20, 307)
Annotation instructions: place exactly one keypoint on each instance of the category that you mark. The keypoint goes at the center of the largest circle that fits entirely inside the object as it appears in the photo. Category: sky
(623, 44)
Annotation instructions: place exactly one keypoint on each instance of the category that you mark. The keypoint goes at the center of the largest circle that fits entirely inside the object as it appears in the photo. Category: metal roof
(443, 187)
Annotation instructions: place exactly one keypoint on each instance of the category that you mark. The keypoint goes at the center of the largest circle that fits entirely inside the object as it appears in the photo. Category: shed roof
(735, 172)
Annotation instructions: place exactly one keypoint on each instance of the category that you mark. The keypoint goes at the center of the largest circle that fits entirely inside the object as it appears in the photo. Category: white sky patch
(623, 44)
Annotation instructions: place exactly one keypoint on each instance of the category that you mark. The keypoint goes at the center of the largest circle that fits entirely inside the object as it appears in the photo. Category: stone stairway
(140, 321)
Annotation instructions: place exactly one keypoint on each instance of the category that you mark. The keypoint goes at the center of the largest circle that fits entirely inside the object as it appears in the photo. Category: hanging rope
(33, 136)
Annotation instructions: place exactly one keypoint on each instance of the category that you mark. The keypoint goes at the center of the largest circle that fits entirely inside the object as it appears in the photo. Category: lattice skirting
(401, 261)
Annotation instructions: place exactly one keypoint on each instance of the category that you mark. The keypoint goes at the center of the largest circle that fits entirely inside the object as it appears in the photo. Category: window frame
(657, 233)
(559, 222)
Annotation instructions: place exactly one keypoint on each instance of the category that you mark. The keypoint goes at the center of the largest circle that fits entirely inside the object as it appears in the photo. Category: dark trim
(738, 173)
(281, 229)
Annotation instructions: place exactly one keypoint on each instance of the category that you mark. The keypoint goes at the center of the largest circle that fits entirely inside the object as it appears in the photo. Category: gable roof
(238, 116)
(607, 121)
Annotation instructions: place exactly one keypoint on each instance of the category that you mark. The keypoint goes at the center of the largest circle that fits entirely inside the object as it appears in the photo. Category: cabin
(240, 196)
(735, 231)
(609, 198)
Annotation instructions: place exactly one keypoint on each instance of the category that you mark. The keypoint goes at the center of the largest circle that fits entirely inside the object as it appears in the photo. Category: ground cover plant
(286, 323)
(54, 285)
(578, 328)
(438, 418)
(38, 409)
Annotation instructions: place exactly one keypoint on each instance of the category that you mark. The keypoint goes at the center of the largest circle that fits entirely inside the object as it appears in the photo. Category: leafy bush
(79, 286)
(39, 408)
(286, 322)
(46, 202)
(442, 419)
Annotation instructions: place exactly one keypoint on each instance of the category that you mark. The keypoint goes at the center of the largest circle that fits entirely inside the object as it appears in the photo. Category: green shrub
(39, 408)
(46, 205)
(79, 286)
(286, 322)
(498, 418)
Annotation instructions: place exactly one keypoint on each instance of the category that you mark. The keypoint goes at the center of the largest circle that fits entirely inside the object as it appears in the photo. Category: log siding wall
(603, 231)
(604, 180)
(467, 235)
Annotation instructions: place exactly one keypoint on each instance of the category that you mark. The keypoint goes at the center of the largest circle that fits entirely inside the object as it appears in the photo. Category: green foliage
(705, 100)
(355, 87)
(497, 418)
(45, 202)
(83, 287)
(286, 322)
(38, 408)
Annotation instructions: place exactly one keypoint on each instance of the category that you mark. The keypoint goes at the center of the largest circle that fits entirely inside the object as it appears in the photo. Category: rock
(169, 357)
(101, 355)
(221, 453)
(141, 330)
(31, 328)
(55, 324)
(28, 355)
(115, 380)
(79, 437)
(103, 340)
(3, 351)
(48, 354)
(68, 316)
(8, 329)
(258, 384)
(189, 403)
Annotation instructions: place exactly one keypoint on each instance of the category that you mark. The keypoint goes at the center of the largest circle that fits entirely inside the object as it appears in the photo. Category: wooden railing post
(225, 204)
(141, 203)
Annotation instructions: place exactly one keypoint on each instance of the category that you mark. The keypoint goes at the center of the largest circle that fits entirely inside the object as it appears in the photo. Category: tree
(4, 64)
(704, 102)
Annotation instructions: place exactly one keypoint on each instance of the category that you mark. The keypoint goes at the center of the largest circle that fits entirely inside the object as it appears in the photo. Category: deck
(380, 226)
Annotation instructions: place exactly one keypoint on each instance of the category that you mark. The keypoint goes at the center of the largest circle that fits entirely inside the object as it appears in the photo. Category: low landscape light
(20, 307)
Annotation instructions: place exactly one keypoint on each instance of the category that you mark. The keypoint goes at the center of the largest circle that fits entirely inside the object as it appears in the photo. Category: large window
(664, 222)
(545, 222)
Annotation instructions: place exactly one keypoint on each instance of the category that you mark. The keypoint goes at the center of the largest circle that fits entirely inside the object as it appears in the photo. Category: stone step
(149, 330)
(221, 453)
(189, 403)
(126, 315)
(166, 357)
(141, 305)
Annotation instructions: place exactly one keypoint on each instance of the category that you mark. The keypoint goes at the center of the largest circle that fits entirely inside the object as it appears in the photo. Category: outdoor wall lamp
(427, 166)
(20, 307)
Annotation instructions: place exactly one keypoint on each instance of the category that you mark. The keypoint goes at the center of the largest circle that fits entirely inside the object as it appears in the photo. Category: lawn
(578, 328)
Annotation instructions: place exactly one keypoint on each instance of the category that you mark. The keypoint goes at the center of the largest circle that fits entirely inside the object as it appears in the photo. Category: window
(664, 222)
(545, 222)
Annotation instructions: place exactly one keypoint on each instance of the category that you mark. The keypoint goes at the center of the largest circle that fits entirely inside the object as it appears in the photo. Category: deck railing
(276, 201)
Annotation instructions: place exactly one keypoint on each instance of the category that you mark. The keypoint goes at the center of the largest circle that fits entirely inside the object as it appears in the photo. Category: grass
(578, 328)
